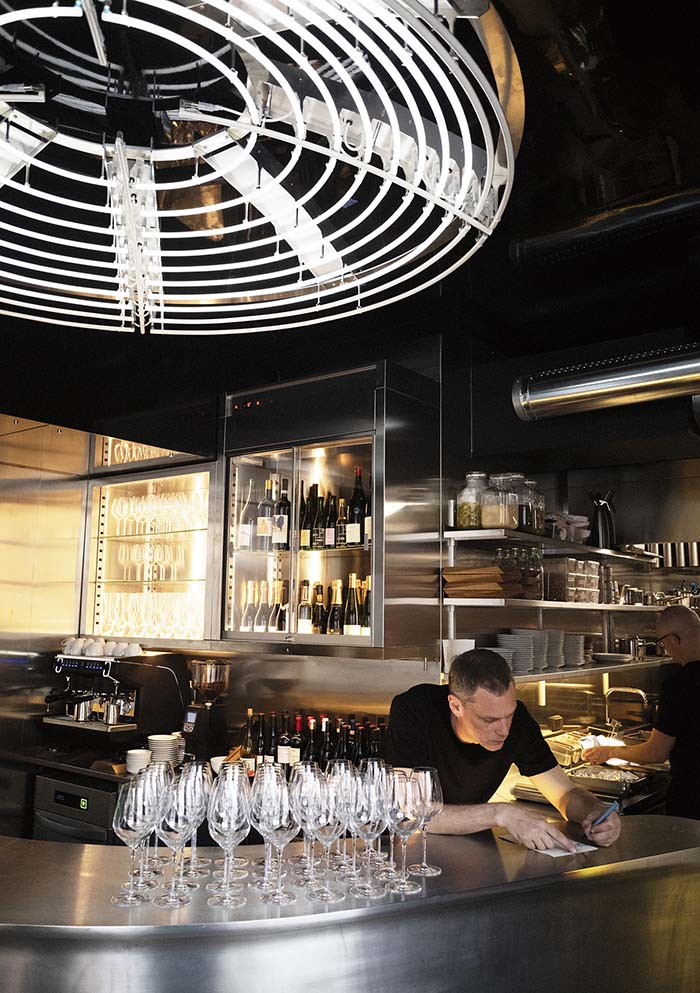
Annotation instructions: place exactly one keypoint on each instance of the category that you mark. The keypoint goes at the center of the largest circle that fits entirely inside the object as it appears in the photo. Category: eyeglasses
(660, 641)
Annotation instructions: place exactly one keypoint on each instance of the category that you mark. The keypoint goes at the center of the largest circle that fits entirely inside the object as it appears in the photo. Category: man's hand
(598, 755)
(534, 831)
(603, 834)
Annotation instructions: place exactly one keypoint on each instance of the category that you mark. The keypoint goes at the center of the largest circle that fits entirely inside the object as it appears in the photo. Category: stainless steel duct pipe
(638, 378)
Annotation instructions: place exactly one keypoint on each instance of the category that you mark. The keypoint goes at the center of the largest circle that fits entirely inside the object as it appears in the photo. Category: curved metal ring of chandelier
(234, 167)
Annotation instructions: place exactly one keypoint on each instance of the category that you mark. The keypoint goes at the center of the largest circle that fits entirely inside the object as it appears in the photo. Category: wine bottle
(341, 745)
(334, 624)
(309, 752)
(366, 609)
(266, 508)
(248, 746)
(295, 742)
(331, 521)
(283, 615)
(271, 739)
(280, 520)
(307, 521)
(325, 753)
(355, 533)
(341, 524)
(248, 618)
(318, 535)
(283, 742)
(245, 520)
(262, 615)
(304, 610)
(318, 611)
(302, 503)
(375, 744)
(260, 742)
(276, 605)
(368, 516)
(351, 619)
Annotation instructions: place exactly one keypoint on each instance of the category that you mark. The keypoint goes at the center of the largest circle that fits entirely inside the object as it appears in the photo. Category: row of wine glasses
(160, 512)
(326, 806)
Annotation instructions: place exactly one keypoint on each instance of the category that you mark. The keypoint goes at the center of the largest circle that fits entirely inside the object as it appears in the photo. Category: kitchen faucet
(623, 689)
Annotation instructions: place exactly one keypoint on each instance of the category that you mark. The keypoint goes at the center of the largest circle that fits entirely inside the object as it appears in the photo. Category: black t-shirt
(420, 733)
(678, 717)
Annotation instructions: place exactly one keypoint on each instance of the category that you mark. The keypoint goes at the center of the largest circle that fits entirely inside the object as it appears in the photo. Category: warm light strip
(390, 113)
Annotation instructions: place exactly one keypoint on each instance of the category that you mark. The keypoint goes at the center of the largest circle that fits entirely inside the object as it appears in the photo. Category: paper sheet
(555, 853)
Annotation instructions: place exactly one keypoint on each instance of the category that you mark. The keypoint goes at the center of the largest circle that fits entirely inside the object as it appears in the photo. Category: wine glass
(339, 770)
(228, 814)
(404, 816)
(430, 806)
(276, 818)
(265, 772)
(133, 820)
(162, 775)
(303, 776)
(176, 819)
(368, 816)
(374, 766)
(326, 819)
(200, 775)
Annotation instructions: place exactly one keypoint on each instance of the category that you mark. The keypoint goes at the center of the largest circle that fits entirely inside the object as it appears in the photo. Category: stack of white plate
(574, 645)
(539, 640)
(523, 651)
(555, 650)
(163, 747)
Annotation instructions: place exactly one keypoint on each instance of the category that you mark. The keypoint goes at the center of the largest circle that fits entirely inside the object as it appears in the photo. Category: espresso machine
(142, 695)
(205, 720)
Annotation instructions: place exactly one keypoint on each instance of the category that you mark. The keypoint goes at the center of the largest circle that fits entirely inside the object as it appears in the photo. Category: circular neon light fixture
(225, 167)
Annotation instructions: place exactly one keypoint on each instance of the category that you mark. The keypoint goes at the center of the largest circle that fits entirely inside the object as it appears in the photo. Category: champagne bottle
(283, 615)
(318, 535)
(280, 520)
(248, 618)
(341, 524)
(304, 610)
(331, 521)
(295, 742)
(248, 746)
(307, 521)
(262, 615)
(245, 520)
(276, 605)
(283, 742)
(351, 620)
(266, 508)
(355, 532)
(302, 503)
(366, 609)
(334, 624)
(318, 611)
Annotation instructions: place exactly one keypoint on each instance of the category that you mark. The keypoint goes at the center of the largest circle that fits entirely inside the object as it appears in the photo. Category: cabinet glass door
(148, 558)
(300, 540)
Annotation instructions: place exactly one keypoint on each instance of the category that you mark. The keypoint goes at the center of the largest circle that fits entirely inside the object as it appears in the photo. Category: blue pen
(614, 806)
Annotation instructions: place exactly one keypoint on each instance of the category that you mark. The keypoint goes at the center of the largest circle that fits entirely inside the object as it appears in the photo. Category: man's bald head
(679, 630)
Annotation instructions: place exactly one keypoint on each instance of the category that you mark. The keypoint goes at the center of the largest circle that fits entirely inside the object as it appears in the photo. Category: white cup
(94, 648)
(137, 758)
(216, 762)
(120, 649)
(132, 650)
(68, 646)
(78, 646)
(109, 647)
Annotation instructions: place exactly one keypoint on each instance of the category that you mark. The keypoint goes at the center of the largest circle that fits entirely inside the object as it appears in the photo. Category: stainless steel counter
(622, 920)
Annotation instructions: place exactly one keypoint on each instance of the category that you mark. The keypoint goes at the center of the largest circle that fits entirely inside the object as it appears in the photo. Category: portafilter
(210, 677)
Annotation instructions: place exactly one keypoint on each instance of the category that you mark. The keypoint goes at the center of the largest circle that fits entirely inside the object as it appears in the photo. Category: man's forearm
(461, 818)
(578, 803)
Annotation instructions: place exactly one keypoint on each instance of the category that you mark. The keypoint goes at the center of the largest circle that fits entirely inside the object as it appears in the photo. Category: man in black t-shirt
(676, 733)
(471, 731)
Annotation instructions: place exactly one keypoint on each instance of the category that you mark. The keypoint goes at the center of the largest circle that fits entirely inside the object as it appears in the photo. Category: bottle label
(352, 629)
(259, 627)
(304, 626)
(330, 537)
(269, 759)
(365, 632)
(249, 764)
(244, 535)
(340, 535)
(259, 759)
(352, 534)
(368, 529)
(264, 527)
(294, 755)
(305, 540)
(283, 752)
(280, 528)
(319, 536)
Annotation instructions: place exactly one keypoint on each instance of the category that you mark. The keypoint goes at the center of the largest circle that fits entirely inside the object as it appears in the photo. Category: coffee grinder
(205, 719)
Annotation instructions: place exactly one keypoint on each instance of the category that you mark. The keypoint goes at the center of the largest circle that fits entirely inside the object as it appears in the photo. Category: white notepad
(554, 853)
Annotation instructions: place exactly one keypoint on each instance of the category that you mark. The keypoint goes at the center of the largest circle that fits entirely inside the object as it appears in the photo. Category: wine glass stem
(369, 871)
(227, 869)
(424, 864)
(392, 864)
(354, 854)
(131, 873)
(173, 881)
(182, 868)
(268, 861)
(193, 850)
(404, 873)
(328, 867)
(279, 867)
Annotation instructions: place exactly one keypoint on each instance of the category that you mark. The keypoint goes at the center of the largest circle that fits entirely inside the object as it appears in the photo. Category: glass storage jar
(499, 504)
(469, 500)
(525, 510)
(537, 506)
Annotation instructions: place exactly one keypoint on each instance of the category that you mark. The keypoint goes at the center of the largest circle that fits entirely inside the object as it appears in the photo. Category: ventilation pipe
(641, 378)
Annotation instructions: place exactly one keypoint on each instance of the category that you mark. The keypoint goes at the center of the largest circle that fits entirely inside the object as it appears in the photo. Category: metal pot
(80, 709)
(111, 711)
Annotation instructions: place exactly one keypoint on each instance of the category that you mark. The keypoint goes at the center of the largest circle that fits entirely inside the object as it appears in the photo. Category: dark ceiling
(600, 239)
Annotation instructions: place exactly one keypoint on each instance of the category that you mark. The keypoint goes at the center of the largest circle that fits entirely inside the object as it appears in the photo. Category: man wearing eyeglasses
(676, 733)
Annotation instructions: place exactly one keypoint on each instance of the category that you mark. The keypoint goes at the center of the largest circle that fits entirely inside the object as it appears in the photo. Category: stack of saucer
(163, 748)
(574, 650)
(523, 652)
(540, 641)
(555, 650)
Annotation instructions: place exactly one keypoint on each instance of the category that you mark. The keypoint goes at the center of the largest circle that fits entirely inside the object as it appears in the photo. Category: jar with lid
(516, 483)
(469, 500)
(499, 504)
(538, 511)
